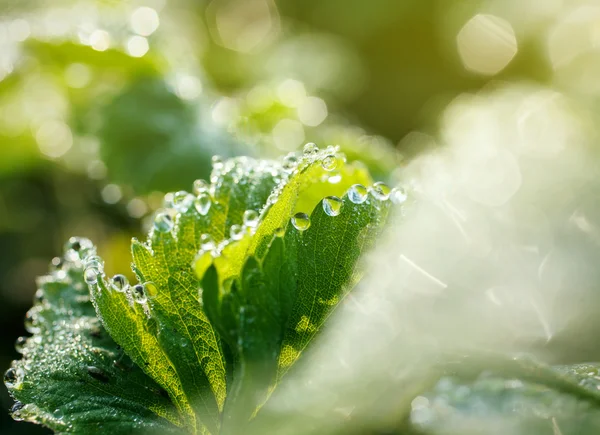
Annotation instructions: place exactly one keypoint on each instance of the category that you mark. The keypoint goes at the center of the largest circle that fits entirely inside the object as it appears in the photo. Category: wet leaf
(73, 378)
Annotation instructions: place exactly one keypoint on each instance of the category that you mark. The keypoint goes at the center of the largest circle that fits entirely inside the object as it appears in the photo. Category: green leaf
(231, 289)
(128, 324)
(173, 324)
(540, 402)
(147, 119)
(62, 54)
(73, 377)
(269, 293)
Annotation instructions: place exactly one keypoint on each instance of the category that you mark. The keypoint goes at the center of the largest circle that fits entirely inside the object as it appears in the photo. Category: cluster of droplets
(296, 162)
(329, 158)
(76, 252)
(81, 252)
(93, 269)
(357, 194)
(240, 171)
(134, 293)
(181, 202)
(249, 224)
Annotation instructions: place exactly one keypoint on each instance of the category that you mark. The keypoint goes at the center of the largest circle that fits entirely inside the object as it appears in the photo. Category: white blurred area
(497, 253)
(499, 250)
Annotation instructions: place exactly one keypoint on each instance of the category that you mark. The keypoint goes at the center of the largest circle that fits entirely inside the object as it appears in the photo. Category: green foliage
(236, 280)
(147, 118)
(73, 377)
(209, 357)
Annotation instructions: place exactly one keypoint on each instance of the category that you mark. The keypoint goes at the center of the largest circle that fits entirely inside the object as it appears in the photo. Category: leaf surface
(513, 405)
(73, 377)
(270, 303)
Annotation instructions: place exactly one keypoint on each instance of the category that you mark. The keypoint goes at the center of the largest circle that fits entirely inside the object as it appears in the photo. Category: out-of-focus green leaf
(73, 377)
(18, 153)
(517, 406)
(151, 140)
(62, 54)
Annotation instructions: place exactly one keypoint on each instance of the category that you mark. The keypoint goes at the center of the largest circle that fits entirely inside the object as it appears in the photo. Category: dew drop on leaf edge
(163, 222)
(358, 193)
(217, 162)
(236, 232)
(203, 203)
(13, 377)
(182, 201)
(398, 195)
(139, 295)
(381, 191)
(90, 275)
(301, 221)
(329, 163)
(20, 344)
(200, 186)
(206, 242)
(119, 283)
(17, 406)
(290, 162)
(250, 218)
(310, 149)
(332, 205)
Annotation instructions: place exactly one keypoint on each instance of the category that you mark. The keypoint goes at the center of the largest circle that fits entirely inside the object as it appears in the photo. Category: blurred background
(106, 105)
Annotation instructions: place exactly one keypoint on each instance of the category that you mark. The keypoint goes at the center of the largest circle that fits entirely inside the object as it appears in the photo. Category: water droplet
(74, 243)
(280, 232)
(206, 242)
(119, 283)
(381, 191)
(398, 195)
(80, 246)
(139, 295)
(310, 149)
(90, 275)
(201, 186)
(17, 406)
(329, 163)
(290, 162)
(163, 222)
(250, 218)
(20, 344)
(31, 322)
(203, 203)
(332, 205)
(182, 201)
(357, 194)
(57, 263)
(93, 260)
(58, 413)
(39, 295)
(217, 162)
(13, 377)
(236, 232)
(71, 255)
(168, 200)
(150, 289)
(301, 221)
